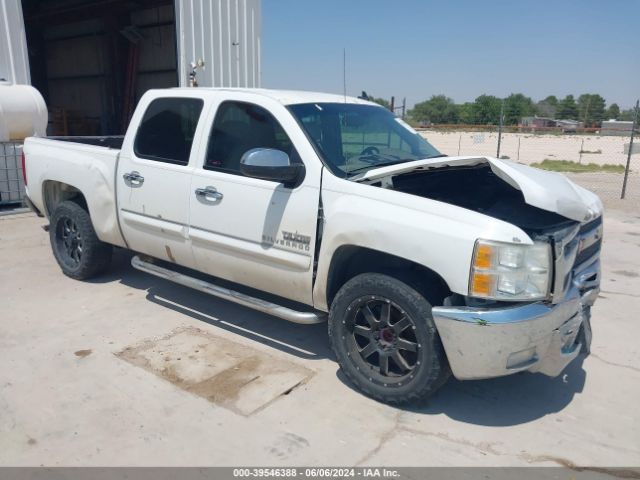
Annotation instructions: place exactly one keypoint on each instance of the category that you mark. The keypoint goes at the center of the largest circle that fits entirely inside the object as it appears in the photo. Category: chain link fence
(594, 161)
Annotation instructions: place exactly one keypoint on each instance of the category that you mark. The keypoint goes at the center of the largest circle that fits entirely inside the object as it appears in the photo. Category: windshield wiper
(377, 165)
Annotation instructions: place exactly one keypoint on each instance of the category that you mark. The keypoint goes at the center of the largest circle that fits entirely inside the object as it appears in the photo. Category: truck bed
(61, 167)
(113, 142)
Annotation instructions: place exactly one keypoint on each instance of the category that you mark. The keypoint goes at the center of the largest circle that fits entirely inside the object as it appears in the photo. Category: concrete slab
(67, 398)
(224, 372)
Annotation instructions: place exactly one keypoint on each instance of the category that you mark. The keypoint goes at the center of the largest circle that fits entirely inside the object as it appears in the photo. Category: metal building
(93, 59)
(226, 35)
(14, 63)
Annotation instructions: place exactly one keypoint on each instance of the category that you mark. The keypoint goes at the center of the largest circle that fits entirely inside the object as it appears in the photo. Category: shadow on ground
(504, 401)
(304, 341)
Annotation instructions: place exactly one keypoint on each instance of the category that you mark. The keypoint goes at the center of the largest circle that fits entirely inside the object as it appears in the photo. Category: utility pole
(500, 128)
(626, 170)
(404, 107)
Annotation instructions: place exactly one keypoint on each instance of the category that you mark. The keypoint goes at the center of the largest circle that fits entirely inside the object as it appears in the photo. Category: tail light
(24, 169)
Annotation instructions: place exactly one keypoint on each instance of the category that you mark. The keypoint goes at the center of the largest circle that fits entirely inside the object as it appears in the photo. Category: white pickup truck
(319, 207)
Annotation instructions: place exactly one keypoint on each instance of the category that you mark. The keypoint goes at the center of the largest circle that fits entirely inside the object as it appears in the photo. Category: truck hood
(546, 190)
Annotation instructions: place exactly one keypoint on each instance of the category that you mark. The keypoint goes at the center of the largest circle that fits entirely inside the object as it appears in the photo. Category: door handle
(134, 178)
(209, 194)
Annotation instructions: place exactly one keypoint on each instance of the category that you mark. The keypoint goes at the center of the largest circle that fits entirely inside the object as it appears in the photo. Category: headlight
(509, 271)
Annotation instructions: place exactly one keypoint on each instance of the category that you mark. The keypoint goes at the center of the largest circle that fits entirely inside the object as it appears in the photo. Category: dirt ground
(534, 148)
(132, 370)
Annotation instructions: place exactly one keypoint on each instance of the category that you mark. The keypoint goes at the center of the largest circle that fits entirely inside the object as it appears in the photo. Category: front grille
(573, 249)
(589, 241)
(591, 225)
(588, 252)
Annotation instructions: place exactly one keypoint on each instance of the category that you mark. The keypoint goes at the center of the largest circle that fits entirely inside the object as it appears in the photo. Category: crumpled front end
(537, 337)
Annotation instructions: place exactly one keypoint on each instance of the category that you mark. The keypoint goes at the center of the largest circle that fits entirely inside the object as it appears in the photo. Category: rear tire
(76, 247)
(384, 337)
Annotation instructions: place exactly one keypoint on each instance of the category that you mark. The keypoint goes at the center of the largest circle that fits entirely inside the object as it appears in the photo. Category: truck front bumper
(536, 337)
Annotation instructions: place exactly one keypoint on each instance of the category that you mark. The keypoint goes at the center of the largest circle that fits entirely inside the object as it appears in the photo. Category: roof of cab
(290, 97)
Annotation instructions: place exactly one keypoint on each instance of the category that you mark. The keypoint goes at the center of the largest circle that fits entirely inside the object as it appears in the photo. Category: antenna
(344, 73)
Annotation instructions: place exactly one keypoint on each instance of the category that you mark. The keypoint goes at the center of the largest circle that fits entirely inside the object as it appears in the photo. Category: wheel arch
(101, 208)
(55, 192)
(349, 261)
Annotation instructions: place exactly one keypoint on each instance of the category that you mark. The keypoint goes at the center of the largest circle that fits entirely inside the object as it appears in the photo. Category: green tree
(381, 101)
(627, 115)
(517, 106)
(613, 112)
(466, 113)
(438, 109)
(591, 108)
(567, 108)
(547, 107)
(486, 110)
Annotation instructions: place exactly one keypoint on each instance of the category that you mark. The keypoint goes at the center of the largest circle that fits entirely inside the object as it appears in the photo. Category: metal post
(500, 128)
(626, 170)
(392, 105)
(518, 154)
(404, 106)
(580, 152)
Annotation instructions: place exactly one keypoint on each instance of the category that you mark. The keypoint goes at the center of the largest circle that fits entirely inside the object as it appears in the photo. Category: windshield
(354, 138)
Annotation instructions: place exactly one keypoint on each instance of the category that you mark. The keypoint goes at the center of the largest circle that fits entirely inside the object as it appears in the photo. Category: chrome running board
(306, 318)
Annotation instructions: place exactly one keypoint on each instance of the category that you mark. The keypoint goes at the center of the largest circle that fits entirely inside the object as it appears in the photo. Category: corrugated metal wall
(226, 35)
(14, 64)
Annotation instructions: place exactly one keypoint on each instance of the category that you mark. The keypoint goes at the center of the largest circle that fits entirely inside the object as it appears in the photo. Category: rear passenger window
(240, 127)
(167, 129)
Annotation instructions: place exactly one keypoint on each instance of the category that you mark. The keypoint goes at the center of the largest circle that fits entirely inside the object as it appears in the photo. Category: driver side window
(239, 127)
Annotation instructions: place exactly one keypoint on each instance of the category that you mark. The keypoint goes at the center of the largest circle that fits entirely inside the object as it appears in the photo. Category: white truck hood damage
(546, 190)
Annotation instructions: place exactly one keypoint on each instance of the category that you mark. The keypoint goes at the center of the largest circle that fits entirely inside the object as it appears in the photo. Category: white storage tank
(23, 112)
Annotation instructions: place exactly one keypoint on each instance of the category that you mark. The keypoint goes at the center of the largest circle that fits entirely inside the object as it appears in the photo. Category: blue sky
(461, 48)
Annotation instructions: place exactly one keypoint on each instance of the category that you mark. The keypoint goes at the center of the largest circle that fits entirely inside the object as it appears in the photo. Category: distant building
(544, 122)
(538, 122)
(569, 125)
(616, 127)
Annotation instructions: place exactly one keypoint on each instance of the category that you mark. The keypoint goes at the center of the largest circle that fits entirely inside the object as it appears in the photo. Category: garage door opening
(93, 60)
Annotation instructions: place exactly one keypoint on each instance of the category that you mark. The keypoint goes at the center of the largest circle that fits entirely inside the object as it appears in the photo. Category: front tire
(384, 337)
(76, 247)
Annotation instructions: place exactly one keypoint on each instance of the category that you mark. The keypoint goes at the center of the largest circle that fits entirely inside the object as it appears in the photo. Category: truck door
(154, 178)
(255, 232)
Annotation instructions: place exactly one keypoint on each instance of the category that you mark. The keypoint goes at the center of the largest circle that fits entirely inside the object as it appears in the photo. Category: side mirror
(271, 164)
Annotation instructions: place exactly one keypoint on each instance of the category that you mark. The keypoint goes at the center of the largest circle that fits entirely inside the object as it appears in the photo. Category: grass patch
(569, 166)
(590, 151)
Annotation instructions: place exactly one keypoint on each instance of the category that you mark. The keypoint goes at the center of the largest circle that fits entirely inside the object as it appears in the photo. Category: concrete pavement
(118, 371)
